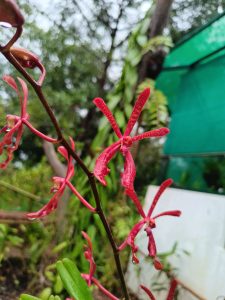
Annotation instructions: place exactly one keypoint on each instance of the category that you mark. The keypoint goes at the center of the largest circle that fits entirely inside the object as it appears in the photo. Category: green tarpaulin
(194, 82)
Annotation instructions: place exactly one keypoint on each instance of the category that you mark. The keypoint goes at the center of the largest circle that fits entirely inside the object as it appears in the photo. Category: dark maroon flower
(10, 13)
(29, 60)
(59, 186)
(150, 224)
(10, 16)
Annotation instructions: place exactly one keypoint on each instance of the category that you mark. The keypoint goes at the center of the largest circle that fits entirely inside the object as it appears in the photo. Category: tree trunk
(151, 63)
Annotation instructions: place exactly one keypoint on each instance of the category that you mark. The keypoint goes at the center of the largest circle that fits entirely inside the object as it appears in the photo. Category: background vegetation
(93, 48)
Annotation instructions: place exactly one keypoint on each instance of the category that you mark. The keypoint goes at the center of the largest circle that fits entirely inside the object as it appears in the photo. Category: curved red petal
(25, 97)
(101, 165)
(4, 164)
(129, 173)
(161, 189)
(11, 82)
(151, 243)
(100, 103)
(62, 150)
(172, 213)
(148, 292)
(88, 239)
(133, 196)
(172, 290)
(103, 290)
(152, 133)
(157, 264)
(138, 106)
(49, 207)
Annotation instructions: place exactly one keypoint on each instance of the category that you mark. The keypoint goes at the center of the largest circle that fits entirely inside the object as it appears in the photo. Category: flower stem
(38, 89)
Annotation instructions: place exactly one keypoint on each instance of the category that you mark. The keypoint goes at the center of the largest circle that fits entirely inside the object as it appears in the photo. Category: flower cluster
(88, 254)
(123, 145)
(149, 222)
(12, 131)
(11, 135)
(59, 185)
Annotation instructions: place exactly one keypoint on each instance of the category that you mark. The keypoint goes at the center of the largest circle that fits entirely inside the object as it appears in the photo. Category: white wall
(200, 230)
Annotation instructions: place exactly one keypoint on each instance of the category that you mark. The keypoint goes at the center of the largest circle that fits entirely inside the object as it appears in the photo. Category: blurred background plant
(111, 49)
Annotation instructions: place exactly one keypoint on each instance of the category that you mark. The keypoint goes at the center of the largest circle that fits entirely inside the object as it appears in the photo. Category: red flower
(28, 60)
(13, 129)
(59, 187)
(123, 145)
(171, 293)
(88, 253)
(10, 15)
(150, 224)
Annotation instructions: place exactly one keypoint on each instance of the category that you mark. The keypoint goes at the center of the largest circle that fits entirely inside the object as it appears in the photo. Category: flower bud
(10, 13)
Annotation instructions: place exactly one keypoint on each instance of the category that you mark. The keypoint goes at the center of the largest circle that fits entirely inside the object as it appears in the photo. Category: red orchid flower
(29, 60)
(10, 15)
(14, 124)
(150, 224)
(88, 254)
(123, 145)
(171, 293)
(59, 187)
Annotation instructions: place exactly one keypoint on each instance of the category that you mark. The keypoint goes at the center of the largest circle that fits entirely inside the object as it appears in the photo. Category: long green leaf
(72, 280)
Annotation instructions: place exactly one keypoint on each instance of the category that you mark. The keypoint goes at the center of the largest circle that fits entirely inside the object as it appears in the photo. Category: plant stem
(38, 89)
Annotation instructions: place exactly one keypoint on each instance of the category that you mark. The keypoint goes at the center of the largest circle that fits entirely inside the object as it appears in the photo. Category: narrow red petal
(82, 200)
(101, 165)
(172, 213)
(103, 290)
(88, 239)
(161, 189)
(89, 256)
(3, 165)
(157, 264)
(148, 292)
(172, 290)
(38, 133)
(11, 82)
(152, 133)
(25, 97)
(100, 103)
(49, 207)
(133, 196)
(138, 106)
(151, 243)
(129, 173)
(62, 150)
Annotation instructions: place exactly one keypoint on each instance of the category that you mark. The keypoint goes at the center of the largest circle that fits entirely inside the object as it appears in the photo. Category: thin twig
(38, 89)
(19, 190)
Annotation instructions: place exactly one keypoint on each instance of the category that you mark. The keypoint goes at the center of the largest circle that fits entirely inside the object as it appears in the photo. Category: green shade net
(207, 40)
(196, 95)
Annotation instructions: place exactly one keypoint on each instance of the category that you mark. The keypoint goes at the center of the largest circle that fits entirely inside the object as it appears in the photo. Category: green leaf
(72, 280)
(45, 294)
(28, 297)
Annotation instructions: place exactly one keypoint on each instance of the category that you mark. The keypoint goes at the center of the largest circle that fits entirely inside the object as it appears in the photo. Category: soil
(13, 278)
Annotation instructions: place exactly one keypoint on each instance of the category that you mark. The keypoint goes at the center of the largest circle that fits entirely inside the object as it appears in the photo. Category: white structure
(200, 231)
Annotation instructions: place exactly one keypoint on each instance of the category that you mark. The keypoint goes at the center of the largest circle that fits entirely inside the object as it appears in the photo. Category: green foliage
(72, 280)
(28, 297)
